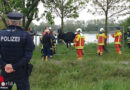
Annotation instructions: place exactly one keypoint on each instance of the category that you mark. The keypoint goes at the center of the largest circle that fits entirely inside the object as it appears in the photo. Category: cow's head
(60, 35)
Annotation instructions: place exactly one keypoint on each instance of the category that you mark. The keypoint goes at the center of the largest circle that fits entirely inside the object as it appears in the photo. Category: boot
(101, 53)
(120, 52)
(79, 58)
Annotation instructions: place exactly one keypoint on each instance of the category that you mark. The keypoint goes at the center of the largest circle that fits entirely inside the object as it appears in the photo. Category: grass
(65, 72)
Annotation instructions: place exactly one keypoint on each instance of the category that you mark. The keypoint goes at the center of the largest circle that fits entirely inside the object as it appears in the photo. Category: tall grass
(65, 72)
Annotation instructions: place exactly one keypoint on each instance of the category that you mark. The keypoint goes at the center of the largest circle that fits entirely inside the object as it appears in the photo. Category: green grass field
(65, 72)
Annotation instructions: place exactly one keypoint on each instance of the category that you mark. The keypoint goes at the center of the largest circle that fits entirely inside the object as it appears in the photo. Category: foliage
(109, 8)
(72, 25)
(27, 7)
(65, 72)
(42, 26)
(1, 25)
(63, 9)
(125, 23)
(89, 26)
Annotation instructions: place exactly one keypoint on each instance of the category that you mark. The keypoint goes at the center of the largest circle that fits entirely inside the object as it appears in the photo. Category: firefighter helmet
(79, 30)
(101, 30)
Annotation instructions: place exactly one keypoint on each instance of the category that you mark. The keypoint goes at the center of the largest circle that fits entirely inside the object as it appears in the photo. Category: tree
(1, 25)
(125, 23)
(110, 8)
(27, 7)
(72, 25)
(95, 25)
(63, 9)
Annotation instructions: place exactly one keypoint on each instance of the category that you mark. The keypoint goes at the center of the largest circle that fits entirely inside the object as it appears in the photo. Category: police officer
(16, 48)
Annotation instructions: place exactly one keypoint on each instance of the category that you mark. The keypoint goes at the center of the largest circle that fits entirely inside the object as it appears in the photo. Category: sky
(83, 15)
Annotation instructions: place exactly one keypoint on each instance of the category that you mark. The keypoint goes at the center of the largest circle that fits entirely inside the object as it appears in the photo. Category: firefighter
(101, 40)
(79, 43)
(128, 37)
(118, 37)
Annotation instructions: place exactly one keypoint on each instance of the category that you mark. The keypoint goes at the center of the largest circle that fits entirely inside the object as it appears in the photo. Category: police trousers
(22, 84)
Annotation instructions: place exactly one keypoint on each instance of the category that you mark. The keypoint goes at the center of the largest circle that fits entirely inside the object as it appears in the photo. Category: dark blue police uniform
(16, 48)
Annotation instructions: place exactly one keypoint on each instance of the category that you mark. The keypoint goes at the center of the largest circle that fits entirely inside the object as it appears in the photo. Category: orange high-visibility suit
(118, 37)
(79, 45)
(101, 40)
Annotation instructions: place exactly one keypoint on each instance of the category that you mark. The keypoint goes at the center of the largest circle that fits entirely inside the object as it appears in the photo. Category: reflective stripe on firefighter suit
(101, 39)
(117, 36)
(79, 45)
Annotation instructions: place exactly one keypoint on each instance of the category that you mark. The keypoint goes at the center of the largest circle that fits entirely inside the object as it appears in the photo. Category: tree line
(63, 9)
(87, 27)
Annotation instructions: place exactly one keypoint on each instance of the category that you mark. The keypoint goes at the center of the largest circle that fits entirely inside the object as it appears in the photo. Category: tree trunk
(24, 15)
(106, 26)
(23, 22)
(62, 24)
(62, 17)
(28, 24)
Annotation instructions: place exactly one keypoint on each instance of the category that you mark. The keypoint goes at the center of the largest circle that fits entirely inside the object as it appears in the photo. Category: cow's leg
(70, 44)
(67, 44)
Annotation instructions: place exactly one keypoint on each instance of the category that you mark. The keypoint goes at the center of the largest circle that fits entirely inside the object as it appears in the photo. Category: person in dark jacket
(16, 48)
(47, 43)
(31, 33)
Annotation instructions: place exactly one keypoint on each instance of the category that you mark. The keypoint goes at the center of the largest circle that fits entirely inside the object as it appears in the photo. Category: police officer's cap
(14, 15)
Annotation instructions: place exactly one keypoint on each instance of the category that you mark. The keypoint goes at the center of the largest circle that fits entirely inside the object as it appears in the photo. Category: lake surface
(89, 38)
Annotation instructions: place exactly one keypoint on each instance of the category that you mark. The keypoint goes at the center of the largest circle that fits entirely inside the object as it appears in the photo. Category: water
(89, 38)
(36, 40)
